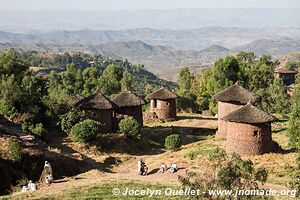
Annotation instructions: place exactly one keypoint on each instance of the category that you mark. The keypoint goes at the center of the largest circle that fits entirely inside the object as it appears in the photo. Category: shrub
(36, 129)
(86, 130)
(71, 118)
(15, 150)
(130, 127)
(7, 109)
(228, 172)
(173, 141)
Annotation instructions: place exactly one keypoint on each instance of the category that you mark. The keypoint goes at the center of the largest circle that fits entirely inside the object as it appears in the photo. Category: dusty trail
(124, 172)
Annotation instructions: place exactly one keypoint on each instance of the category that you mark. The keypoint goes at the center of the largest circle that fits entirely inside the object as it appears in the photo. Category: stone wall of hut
(135, 111)
(164, 109)
(249, 139)
(103, 116)
(224, 109)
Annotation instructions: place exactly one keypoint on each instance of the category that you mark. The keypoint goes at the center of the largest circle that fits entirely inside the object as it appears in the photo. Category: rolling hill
(276, 48)
(189, 39)
(161, 60)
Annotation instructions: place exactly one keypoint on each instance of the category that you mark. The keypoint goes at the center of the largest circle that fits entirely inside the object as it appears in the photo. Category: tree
(246, 57)
(71, 118)
(292, 65)
(294, 120)
(227, 71)
(259, 76)
(109, 82)
(126, 81)
(185, 81)
(277, 98)
(90, 76)
(11, 63)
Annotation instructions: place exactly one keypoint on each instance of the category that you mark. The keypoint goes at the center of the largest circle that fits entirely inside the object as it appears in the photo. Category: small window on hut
(167, 104)
(154, 103)
(255, 133)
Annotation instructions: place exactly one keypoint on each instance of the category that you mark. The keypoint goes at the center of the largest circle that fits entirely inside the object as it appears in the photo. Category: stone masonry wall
(249, 139)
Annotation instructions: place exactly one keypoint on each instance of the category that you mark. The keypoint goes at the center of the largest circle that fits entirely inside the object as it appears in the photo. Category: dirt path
(125, 172)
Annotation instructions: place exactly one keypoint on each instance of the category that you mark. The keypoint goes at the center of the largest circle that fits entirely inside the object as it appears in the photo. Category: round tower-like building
(230, 100)
(249, 131)
(163, 103)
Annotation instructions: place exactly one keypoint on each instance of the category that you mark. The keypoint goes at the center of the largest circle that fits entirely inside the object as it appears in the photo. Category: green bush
(15, 150)
(36, 129)
(7, 109)
(71, 118)
(173, 141)
(86, 130)
(130, 127)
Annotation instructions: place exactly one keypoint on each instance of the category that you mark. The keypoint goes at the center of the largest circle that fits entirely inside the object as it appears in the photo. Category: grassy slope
(192, 156)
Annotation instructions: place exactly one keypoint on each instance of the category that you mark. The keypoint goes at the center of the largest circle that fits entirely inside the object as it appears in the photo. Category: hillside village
(95, 123)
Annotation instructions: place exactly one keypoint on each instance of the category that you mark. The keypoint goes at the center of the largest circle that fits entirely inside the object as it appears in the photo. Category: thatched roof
(236, 93)
(249, 114)
(96, 101)
(126, 99)
(162, 94)
(283, 70)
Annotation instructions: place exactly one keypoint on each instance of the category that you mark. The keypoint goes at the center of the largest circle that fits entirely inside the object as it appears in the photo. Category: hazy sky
(141, 4)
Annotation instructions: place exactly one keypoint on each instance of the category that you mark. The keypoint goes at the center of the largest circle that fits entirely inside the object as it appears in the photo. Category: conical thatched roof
(249, 114)
(236, 93)
(128, 98)
(96, 101)
(162, 94)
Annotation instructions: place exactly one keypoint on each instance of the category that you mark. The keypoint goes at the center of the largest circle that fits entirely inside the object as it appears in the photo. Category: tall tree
(126, 81)
(294, 120)
(185, 81)
(109, 82)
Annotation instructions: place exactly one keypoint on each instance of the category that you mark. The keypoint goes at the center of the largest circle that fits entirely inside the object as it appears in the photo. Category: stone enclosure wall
(164, 109)
(224, 109)
(249, 139)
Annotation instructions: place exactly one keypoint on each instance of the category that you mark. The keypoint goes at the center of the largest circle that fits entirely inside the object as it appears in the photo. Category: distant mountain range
(161, 51)
(192, 39)
(165, 60)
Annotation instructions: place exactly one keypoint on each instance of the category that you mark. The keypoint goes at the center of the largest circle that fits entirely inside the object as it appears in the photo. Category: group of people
(172, 169)
(143, 169)
(46, 177)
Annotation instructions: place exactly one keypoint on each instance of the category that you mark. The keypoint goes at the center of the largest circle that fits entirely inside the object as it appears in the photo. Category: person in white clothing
(140, 166)
(173, 167)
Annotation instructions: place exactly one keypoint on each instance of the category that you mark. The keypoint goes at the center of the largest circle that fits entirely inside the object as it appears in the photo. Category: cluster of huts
(100, 108)
(247, 129)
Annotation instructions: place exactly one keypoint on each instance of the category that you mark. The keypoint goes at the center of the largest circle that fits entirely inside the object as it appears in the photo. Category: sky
(141, 4)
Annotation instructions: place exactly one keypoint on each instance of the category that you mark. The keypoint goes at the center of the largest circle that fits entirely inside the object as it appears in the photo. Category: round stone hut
(130, 104)
(229, 100)
(99, 108)
(249, 131)
(163, 103)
